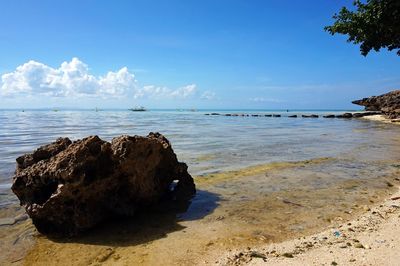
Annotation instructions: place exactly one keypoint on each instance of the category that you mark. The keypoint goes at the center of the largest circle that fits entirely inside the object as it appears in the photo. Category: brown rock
(388, 103)
(68, 187)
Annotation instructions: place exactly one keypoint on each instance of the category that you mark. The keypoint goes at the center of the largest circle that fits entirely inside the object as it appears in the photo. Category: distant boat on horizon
(138, 109)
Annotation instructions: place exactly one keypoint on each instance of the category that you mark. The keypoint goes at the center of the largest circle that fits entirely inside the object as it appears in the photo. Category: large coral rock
(388, 103)
(67, 187)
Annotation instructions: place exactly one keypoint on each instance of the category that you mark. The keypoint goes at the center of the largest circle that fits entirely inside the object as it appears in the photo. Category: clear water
(208, 144)
(351, 162)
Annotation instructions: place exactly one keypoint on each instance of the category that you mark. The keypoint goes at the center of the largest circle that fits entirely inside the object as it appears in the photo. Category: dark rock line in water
(344, 115)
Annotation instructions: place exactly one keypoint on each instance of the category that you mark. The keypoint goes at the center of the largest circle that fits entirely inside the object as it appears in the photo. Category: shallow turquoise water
(206, 143)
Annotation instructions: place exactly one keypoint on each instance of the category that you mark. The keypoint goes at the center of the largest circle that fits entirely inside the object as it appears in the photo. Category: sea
(207, 143)
(259, 179)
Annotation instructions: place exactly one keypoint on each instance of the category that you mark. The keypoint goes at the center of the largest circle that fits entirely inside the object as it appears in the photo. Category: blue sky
(183, 54)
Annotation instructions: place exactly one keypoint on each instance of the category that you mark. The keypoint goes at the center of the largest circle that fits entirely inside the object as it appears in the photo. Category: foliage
(374, 24)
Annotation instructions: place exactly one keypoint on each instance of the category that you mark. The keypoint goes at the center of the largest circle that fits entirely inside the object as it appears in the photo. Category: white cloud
(154, 92)
(70, 79)
(208, 95)
(184, 92)
(262, 99)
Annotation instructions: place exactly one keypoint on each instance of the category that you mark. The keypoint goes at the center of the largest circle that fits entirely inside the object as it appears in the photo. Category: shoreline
(296, 199)
(371, 238)
(382, 119)
(231, 226)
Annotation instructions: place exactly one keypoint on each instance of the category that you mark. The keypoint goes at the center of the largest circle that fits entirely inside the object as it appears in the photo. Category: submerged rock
(67, 187)
(388, 103)
(368, 113)
(310, 116)
(345, 115)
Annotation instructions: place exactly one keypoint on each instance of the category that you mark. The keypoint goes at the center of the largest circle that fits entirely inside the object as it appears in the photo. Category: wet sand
(370, 239)
(251, 207)
(16, 235)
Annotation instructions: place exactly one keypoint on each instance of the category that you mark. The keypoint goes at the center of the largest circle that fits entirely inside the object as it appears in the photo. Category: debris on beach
(67, 187)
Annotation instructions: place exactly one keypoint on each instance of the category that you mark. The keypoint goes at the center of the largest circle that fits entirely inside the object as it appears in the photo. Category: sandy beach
(370, 239)
(381, 118)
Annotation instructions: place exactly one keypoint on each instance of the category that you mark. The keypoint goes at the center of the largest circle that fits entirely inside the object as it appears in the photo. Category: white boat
(138, 109)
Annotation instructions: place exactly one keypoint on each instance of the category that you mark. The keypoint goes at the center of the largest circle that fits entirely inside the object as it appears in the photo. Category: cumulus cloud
(155, 92)
(184, 92)
(70, 79)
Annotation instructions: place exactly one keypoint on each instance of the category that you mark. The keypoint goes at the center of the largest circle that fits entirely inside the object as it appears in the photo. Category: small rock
(256, 254)
(210, 244)
(389, 184)
(358, 245)
(334, 263)
(287, 255)
(352, 260)
(105, 255)
(366, 208)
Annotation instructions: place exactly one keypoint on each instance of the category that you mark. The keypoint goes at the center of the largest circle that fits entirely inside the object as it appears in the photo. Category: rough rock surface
(388, 103)
(67, 187)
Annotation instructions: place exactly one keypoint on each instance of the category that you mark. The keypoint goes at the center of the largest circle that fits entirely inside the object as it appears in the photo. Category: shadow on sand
(148, 225)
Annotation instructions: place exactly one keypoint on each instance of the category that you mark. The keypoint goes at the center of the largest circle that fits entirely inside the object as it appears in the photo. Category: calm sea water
(206, 143)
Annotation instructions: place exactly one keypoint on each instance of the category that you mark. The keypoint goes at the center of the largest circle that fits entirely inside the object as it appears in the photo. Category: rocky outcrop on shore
(388, 104)
(67, 187)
